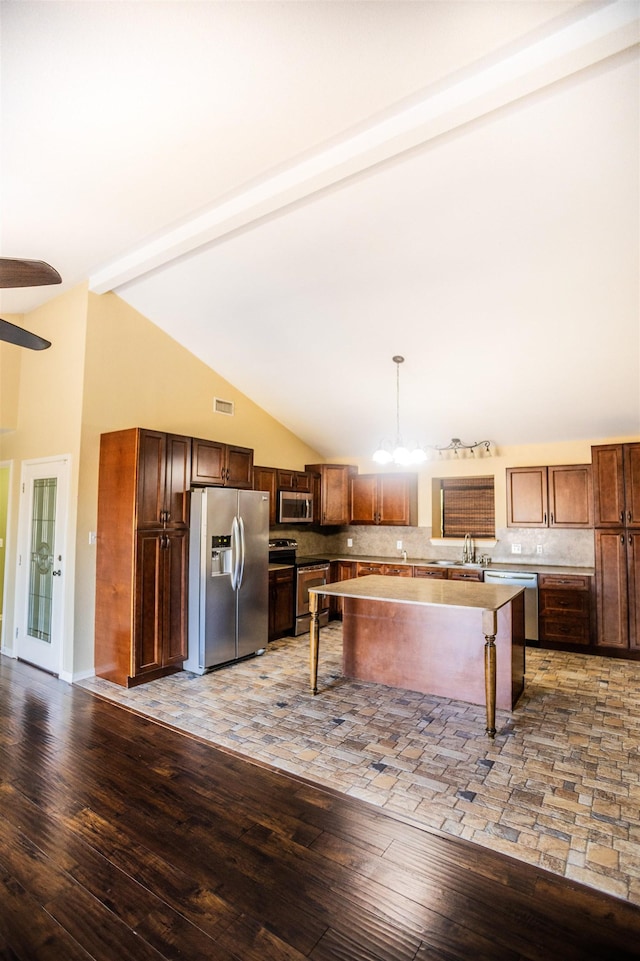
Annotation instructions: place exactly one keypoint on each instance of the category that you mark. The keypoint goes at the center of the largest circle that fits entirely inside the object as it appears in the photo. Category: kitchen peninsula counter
(427, 636)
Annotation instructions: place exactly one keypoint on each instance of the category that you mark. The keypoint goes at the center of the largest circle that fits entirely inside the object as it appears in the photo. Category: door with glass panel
(41, 558)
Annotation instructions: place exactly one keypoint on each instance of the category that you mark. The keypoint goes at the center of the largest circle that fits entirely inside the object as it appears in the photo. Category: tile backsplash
(574, 548)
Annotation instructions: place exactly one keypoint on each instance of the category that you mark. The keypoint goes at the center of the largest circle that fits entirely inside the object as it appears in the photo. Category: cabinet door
(570, 496)
(208, 462)
(239, 472)
(340, 571)
(164, 466)
(177, 481)
(397, 499)
(151, 476)
(398, 570)
(608, 485)
(295, 480)
(363, 569)
(633, 586)
(334, 495)
(281, 602)
(174, 598)
(264, 479)
(148, 625)
(527, 497)
(611, 588)
(363, 495)
(631, 455)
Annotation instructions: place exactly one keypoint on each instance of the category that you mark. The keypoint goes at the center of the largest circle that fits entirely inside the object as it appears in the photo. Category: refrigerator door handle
(242, 552)
(235, 553)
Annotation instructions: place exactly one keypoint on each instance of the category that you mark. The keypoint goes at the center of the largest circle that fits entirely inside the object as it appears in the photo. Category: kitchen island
(426, 636)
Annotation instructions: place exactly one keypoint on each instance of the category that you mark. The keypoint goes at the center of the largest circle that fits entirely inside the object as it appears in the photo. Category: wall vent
(222, 406)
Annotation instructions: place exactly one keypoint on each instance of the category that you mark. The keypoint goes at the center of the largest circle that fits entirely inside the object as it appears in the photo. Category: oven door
(313, 576)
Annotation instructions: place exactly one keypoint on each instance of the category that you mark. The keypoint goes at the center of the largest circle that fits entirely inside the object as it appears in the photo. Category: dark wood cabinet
(556, 496)
(618, 588)
(616, 495)
(425, 570)
(296, 480)
(265, 479)
(162, 470)
(331, 492)
(564, 608)
(340, 571)
(142, 555)
(160, 608)
(389, 499)
(221, 465)
(460, 574)
(281, 602)
(616, 485)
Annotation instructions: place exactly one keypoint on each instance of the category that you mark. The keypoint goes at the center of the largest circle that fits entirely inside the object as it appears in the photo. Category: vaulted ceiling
(298, 191)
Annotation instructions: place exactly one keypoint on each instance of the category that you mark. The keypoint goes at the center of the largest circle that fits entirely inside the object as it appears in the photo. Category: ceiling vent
(223, 406)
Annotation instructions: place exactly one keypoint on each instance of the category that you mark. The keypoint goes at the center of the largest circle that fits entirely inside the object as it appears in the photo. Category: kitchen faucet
(468, 551)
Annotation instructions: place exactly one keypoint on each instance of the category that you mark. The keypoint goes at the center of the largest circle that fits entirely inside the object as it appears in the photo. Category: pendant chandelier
(398, 453)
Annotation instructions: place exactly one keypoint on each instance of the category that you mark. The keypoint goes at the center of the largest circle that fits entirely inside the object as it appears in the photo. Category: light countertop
(431, 562)
(406, 590)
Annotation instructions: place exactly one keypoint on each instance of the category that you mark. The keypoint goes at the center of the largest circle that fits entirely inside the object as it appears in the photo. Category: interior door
(41, 563)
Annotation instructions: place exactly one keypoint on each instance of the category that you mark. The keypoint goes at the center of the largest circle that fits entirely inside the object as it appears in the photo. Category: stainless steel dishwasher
(530, 584)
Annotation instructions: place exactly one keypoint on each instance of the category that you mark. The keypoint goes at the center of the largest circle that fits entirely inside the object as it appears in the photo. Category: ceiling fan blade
(22, 338)
(27, 273)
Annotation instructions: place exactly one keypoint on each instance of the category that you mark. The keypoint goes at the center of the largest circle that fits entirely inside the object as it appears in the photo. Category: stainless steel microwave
(295, 507)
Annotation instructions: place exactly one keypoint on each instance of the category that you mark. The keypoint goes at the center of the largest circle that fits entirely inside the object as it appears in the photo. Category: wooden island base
(426, 637)
(433, 650)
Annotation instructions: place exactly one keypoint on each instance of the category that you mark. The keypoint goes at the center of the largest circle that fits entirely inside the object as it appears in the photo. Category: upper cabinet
(221, 465)
(558, 496)
(162, 469)
(390, 499)
(265, 479)
(331, 492)
(616, 485)
(296, 480)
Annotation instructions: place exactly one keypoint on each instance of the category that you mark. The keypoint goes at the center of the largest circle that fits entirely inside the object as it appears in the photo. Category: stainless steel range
(310, 572)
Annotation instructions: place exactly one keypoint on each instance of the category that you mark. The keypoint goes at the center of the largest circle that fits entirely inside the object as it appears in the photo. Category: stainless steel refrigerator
(228, 576)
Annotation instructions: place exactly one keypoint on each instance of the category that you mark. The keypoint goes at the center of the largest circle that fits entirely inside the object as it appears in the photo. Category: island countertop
(408, 590)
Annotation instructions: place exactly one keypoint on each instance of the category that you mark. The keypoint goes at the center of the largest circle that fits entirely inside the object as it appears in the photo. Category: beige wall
(137, 376)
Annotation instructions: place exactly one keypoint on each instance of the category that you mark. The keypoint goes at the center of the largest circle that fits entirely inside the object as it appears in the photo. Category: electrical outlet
(92, 537)
(399, 545)
(538, 548)
(349, 541)
(516, 548)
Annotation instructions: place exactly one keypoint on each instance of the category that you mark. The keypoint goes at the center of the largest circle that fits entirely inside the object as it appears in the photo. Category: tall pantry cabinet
(142, 555)
(616, 492)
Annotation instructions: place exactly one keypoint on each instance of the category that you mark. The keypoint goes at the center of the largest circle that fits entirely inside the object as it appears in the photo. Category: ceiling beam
(585, 38)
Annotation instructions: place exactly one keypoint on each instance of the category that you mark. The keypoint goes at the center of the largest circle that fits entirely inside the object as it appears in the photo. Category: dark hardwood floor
(122, 839)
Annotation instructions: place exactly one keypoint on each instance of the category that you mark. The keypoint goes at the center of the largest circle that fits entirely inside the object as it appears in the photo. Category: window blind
(468, 507)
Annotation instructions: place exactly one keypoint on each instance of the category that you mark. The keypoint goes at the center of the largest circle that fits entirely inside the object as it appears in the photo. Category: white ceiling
(298, 191)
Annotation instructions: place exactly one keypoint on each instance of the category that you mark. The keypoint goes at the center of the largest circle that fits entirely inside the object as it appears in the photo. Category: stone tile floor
(558, 787)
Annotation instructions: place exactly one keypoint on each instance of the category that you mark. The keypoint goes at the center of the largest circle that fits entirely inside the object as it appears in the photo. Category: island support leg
(489, 629)
(314, 641)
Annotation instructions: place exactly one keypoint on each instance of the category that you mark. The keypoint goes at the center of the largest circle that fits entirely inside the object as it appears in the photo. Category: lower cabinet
(618, 589)
(160, 615)
(340, 571)
(424, 570)
(281, 602)
(564, 610)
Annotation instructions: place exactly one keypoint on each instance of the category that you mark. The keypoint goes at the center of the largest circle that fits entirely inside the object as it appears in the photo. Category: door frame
(63, 462)
(8, 553)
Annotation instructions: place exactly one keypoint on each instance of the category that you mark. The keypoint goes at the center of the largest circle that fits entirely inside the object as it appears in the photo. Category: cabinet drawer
(439, 573)
(564, 602)
(458, 575)
(370, 569)
(573, 582)
(400, 570)
(564, 630)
